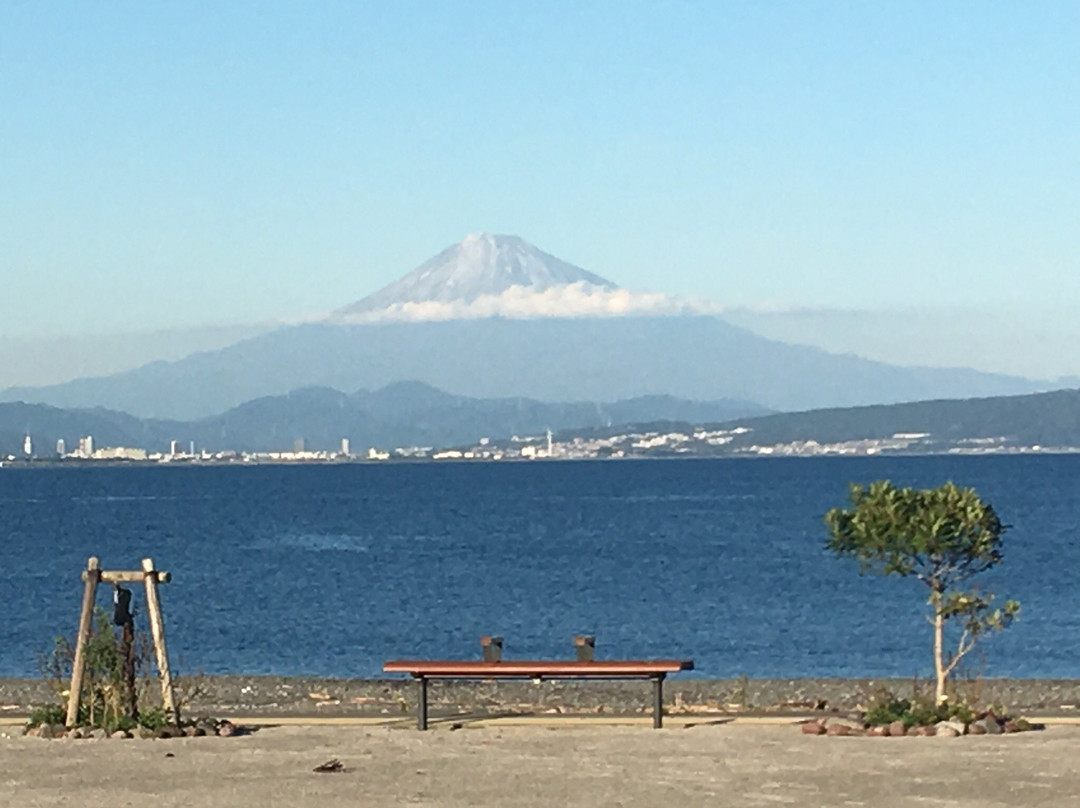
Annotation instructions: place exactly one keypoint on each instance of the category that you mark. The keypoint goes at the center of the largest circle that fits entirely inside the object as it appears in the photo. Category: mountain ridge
(402, 414)
(697, 358)
(495, 317)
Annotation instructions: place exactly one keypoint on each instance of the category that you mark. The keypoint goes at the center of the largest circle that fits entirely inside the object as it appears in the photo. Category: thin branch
(967, 642)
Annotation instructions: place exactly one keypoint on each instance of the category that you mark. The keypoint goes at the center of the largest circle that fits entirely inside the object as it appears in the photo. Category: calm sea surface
(334, 569)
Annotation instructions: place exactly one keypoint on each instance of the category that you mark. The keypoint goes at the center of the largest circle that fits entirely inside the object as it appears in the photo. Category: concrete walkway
(567, 763)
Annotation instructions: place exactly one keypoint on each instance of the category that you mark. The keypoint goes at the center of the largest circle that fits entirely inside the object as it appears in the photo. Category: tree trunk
(939, 650)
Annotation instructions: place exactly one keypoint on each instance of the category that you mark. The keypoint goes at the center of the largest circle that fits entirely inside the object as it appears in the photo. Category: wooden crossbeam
(128, 576)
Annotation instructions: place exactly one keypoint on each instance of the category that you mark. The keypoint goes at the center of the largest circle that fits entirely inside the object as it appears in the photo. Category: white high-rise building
(28, 446)
(61, 447)
(345, 446)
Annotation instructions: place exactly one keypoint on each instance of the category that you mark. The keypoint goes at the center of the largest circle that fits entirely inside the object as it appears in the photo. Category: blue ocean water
(332, 570)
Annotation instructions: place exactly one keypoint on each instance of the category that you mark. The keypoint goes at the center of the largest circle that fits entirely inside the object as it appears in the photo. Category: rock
(813, 728)
(976, 728)
(46, 731)
(1011, 726)
(226, 729)
(32, 732)
(74, 734)
(194, 732)
(922, 731)
(946, 732)
(959, 726)
(837, 729)
(992, 726)
(120, 735)
(1023, 725)
(877, 732)
(897, 729)
(850, 723)
(98, 734)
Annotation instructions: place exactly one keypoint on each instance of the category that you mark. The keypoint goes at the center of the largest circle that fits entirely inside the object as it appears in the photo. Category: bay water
(333, 569)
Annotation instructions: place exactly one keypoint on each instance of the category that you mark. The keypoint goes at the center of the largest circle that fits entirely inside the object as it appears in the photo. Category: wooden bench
(423, 671)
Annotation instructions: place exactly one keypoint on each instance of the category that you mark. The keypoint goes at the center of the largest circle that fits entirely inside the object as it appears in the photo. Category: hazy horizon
(901, 182)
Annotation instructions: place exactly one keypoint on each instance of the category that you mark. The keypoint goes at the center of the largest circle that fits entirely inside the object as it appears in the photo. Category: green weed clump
(47, 714)
(103, 702)
(920, 710)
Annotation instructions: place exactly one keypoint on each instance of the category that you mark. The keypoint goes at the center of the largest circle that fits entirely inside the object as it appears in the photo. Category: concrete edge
(565, 721)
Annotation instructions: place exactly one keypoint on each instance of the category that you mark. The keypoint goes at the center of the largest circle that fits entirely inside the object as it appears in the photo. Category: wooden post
(86, 620)
(157, 629)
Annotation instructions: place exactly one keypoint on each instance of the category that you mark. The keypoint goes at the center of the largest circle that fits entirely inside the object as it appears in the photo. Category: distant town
(617, 445)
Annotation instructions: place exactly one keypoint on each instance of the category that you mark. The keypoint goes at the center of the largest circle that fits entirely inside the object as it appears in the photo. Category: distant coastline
(418, 422)
(233, 462)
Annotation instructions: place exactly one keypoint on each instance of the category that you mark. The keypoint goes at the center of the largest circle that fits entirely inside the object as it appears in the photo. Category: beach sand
(553, 764)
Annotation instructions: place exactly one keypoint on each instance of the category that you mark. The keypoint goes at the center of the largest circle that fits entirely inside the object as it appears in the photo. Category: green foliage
(47, 714)
(153, 719)
(976, 612)
(962, 712)
(886, 710)
(102, 703)
(886, 707)
(923, 711)
(941, 536)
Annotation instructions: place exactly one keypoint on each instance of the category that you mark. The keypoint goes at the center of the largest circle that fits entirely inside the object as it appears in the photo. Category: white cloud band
(520, 302)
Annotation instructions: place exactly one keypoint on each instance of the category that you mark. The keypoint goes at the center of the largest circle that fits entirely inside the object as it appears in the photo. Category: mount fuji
(495, 317)
(487, 275)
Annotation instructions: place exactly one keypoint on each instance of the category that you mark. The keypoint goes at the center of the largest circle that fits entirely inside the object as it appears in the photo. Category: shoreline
(314, 697)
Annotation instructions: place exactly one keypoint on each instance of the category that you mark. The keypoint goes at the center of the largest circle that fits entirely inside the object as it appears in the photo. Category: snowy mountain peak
(489, 275)
(480, 265)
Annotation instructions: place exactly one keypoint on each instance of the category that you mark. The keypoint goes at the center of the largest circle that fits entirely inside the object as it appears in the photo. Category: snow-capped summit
(481, 264)
(487, 275)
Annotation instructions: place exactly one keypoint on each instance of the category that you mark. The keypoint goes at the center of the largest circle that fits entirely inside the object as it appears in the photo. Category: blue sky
(172, 165)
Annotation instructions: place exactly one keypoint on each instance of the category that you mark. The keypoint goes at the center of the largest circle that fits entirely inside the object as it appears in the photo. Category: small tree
(942, 536)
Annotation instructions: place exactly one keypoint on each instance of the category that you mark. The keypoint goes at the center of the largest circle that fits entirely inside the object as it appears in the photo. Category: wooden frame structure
(151, 577)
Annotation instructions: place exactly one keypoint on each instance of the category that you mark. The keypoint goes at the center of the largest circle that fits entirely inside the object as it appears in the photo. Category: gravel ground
(300, 696)
(728, 765)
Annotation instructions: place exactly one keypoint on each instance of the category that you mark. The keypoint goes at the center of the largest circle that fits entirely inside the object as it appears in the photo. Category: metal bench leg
(658, 702)
(421, 702)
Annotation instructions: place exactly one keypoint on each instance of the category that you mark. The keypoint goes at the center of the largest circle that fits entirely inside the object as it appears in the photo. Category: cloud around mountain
(579, 299)
(488, 275)
(495, 317)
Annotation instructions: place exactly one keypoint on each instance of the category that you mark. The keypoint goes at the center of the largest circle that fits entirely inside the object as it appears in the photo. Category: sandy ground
(717, 764)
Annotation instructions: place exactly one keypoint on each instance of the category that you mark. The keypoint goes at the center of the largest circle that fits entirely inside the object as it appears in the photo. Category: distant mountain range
(494, 317)
(403, 414)
(1043, 419)
(1049, 420)
(414, 414)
